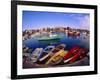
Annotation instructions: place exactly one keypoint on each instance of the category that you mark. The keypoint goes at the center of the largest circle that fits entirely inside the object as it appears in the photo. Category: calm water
(82, 41)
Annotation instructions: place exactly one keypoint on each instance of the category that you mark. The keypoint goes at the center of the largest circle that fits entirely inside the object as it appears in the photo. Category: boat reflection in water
(56, 50)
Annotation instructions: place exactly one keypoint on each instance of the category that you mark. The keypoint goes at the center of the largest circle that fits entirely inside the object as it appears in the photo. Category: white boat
(36, 54)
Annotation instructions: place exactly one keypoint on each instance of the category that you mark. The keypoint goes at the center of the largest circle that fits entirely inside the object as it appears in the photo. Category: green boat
(50, 37)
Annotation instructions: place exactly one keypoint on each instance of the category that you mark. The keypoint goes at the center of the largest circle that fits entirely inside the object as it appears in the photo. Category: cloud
(85, 22)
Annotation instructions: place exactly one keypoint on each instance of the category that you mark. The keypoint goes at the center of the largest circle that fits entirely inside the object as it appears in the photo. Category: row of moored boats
(52, 55)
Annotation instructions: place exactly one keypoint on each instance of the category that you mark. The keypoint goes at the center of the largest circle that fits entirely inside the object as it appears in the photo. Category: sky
(37, 20)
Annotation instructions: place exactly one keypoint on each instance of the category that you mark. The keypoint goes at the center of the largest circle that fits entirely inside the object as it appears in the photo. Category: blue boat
(46, 52)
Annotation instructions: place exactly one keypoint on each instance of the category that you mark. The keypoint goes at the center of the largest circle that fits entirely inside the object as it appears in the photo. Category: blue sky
(37, 20)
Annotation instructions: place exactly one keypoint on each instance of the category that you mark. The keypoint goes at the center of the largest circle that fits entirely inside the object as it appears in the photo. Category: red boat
(75, 54)
(73, 33)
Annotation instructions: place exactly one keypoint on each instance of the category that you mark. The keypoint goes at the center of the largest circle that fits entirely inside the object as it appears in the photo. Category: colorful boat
(46, 52)
(80, 55)
(36, 54)
(52, 52)
(71, 53)
(75, 54)
(57, 49)
(57, 58)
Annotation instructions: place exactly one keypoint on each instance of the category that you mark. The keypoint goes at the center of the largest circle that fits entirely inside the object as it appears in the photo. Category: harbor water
(81, 41)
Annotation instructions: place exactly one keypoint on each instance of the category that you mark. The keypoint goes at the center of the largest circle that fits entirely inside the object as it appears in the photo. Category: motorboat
(50, 37)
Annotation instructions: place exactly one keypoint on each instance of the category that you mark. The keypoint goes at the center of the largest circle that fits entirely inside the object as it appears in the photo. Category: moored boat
(57, 58)
(73, 33)
(46, 52)
(75, 54)
(50, 37)
(71, 53)
(52, 52)
(36, 54)
(57, 49)
(80, 55)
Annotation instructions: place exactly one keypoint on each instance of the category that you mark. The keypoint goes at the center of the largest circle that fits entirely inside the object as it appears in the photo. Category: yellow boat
(57, 58)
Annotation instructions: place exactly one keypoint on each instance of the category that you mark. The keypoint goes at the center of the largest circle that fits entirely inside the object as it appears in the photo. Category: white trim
(68, 60)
